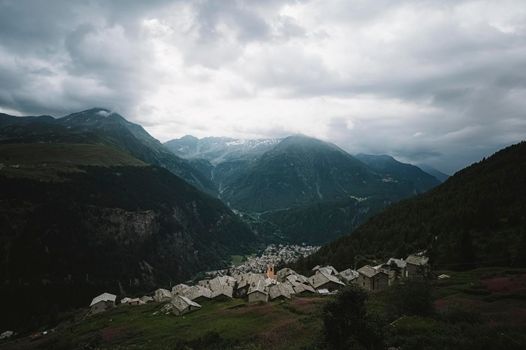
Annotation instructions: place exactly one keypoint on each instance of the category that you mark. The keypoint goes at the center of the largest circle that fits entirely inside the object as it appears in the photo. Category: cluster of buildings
(272, 285)
(274, 254)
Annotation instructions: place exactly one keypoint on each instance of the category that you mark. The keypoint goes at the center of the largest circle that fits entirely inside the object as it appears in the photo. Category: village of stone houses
(260, 286)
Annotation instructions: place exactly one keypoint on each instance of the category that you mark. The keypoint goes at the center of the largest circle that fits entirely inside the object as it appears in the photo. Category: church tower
(270, 271)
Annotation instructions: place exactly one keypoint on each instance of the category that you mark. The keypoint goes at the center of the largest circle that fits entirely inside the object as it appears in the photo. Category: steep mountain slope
(98, 125)
(77, 219)
(301, 170)
(220, 149)
(321, 222)
(476, 218)
(410, 176)
(440, 176)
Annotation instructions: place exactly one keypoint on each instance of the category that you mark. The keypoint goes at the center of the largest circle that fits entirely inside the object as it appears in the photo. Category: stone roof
(249, 279)
(349, 274)
(196, 292)
(135, 301)
(297, 279)
(400, 263)
(221, 286)
(181, 303)
(417, 260)
(321, 277)
(368, 271)
(146, 299)
(323, 291)
(161, 295)
(284, 273)
(281, 290)
(301, 287)
(103, 297)
(179, 289)
(258, 287)
(329, 270)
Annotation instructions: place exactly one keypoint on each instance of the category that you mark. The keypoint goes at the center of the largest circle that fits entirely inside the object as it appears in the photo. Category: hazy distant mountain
(220, 149)
(432, 171)
(405, 174)
(301, 170)
(475, 218)
(308, 190)
(99, 125)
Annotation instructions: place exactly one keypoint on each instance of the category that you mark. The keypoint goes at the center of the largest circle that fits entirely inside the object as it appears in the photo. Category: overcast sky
(439, 82)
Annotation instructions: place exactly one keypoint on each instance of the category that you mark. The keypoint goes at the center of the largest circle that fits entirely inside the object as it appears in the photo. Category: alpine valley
(91, 201)
(300, 189)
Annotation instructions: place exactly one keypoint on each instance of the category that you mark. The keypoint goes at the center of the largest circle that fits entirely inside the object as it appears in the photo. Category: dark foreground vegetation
(477, 309)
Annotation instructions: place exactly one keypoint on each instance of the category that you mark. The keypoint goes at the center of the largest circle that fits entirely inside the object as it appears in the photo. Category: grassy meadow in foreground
(482, 308)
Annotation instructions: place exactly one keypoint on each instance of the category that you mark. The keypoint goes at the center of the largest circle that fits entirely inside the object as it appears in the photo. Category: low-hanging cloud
(438, 82)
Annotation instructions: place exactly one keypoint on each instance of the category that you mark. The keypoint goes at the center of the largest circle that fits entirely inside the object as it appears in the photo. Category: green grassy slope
(47, 161)
(477, 309)
(99, 126)
(277, 325)
(77, 154)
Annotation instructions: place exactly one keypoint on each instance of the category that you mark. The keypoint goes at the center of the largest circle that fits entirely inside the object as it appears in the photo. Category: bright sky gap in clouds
(439, 82)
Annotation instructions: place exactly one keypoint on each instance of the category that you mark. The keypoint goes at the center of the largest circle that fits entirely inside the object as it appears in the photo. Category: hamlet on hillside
(272, 285)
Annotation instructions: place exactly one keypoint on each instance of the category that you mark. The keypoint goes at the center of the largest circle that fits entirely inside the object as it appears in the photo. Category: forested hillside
(76, 220)
(476, 218)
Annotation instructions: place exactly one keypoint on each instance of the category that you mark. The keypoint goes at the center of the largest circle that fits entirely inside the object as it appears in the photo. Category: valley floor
(489, 310)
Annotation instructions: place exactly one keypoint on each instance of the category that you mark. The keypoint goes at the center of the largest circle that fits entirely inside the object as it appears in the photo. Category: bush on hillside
(411, 298)
(347, 324)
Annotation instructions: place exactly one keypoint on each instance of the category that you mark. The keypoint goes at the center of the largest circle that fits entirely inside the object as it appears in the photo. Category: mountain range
(299, 188)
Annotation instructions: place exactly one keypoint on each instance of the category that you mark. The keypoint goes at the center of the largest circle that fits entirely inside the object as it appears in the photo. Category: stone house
(102, 302)
(280, 291)
(395, 268)
(182, 305)
(372, 279)
(348, 275)
(257, 293)
(162, 295)
(326, 280)
(197, 293)
(417, 266)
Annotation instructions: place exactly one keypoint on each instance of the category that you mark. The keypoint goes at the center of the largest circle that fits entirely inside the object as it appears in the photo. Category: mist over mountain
(220, 149)
(434, 172)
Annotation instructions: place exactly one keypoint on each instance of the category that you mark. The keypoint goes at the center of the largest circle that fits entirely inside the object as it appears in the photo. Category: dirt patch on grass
(506, 284)
(114, 334)
(280, 333)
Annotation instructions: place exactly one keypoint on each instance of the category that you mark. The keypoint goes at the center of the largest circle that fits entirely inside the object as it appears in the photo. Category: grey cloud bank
(437, 82)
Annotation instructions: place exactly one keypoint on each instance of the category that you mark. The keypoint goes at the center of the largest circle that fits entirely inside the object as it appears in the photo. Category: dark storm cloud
(439, 82)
